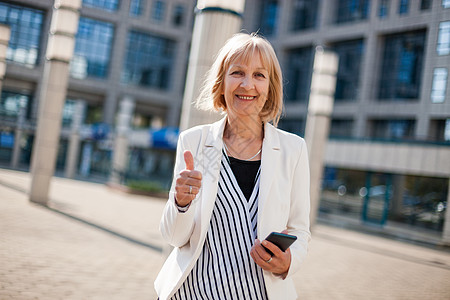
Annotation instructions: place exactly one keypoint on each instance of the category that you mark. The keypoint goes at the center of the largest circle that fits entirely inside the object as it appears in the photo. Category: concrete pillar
(323, 86)
(5, 34)
(216, 21)
(74, 139)
(59, 52)
(18, 135)
(446, 232)
(120, 152)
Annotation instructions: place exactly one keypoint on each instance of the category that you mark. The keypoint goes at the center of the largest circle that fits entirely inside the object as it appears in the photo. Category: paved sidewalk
(96, 243)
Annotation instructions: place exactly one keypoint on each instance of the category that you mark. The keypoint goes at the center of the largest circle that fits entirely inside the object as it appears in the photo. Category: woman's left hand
(278, 264)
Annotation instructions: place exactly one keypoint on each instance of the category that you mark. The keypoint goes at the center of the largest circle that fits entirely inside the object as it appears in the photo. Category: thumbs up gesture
(188, 182)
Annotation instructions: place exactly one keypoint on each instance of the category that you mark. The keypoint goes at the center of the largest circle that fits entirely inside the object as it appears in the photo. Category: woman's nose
(247, 82)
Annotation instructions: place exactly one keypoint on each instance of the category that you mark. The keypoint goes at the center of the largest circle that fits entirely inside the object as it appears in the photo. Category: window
(383, 9)
(392, 129)
(341, 128)
(158, 10)
(443, 44)
(352, 10)
(401, 68)
(446, 3)
(296, 126)
(178, 15)
(304, 14)
(149, 60)
(403, 7)
(136, 7)
(298, 74)
(439, 130)
(26, 25)
(11, 103)
(347, 79)
(425, 4)
(439, 85)
(268, 17)
(92, 49)
(108, 5)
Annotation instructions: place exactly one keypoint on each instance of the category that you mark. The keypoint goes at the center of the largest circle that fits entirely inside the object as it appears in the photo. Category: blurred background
(387, 160)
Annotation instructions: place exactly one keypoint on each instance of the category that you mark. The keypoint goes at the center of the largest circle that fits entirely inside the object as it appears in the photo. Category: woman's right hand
(188, 182)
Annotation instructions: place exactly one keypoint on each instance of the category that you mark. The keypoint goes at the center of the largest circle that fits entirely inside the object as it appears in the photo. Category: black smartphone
(281, 240)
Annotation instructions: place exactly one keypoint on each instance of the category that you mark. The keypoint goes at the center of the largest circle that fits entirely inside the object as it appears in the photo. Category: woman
(237, 180)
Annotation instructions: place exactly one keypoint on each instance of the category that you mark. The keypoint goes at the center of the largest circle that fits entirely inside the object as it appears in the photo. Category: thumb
(189, 160)
(285, 231)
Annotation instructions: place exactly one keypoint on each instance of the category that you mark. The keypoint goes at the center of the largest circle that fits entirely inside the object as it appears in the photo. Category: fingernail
(264, 243)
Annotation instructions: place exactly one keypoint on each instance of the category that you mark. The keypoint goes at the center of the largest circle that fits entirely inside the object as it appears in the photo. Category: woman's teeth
(246, 97)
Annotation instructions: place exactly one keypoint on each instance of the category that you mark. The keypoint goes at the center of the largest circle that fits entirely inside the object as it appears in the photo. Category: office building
(388, 156)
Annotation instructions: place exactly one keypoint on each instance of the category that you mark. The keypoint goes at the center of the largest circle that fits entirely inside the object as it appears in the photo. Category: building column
(5, 34)
(446, 232)
(320, 108)
(120, 152)
(216, 21)
(59, 52)
(74, 139)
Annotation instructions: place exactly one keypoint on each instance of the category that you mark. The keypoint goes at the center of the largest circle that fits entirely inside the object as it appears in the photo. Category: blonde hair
(241, 47)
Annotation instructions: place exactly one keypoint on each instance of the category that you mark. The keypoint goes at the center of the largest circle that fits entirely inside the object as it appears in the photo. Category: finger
(189, 160)
(285, 231)
(265, 256)
(182, 181)
(191, 174)
(272, 247)
(257, 259)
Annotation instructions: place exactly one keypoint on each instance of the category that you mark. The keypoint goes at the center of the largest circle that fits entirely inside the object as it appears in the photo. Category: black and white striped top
(225, 269)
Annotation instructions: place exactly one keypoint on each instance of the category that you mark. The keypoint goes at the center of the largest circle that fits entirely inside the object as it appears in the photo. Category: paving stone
(87, 247)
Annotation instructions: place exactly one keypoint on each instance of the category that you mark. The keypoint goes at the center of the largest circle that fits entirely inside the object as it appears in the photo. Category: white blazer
(283, 204)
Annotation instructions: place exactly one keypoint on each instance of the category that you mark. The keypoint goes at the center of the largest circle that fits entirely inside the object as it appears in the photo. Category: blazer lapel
(212, 154)
(270, 162)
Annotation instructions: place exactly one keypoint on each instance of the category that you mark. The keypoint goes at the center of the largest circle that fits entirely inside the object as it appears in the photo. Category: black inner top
(245, 173)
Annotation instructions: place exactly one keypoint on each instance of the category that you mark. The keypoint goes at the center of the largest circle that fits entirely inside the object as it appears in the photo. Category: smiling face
(245, 88)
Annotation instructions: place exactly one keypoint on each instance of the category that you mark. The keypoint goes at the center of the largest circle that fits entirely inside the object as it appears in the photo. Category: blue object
(164, 138)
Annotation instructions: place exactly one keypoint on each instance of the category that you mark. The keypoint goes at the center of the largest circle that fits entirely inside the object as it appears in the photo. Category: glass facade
(11, 104)
(383, 8)
(92, 49)
(403, 7)
(347, 79)
(136, 7)
(304, 14)
(341, 128)
(379, 197)
(352, 10)
(425, 4)
(268, 17)
(298, 74)
(443, 44)
(392, 129)
(26, 26)
(108, 5)
(158, 10)
(401, 69)
(446, 3)
(296, 126)
(439, 85)
(149, 60)
(178, 15)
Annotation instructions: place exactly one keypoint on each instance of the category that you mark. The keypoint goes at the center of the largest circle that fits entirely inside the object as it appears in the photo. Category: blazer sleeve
(299, 223)
(176, 227)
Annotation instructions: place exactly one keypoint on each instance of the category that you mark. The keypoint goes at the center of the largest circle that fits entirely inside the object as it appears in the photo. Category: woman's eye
(236, 73)
(260, 75)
